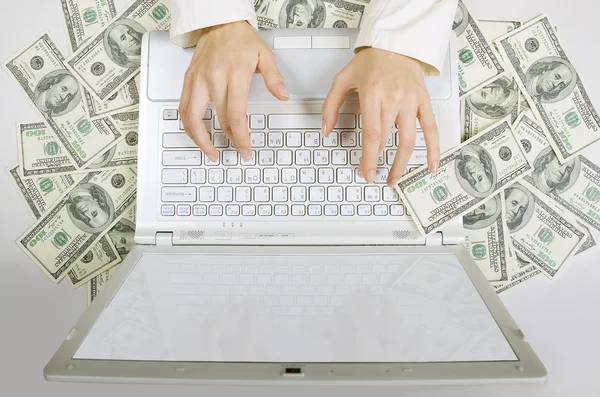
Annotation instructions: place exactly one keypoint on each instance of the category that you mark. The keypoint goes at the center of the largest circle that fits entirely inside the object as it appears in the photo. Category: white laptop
(288, 269)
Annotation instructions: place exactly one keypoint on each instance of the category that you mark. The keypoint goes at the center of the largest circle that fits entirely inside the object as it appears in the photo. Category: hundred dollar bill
(552, 86)
(40, 152)
(523, 271)
(589, 242)
(124, 153)
(103, 255)
(76, 221)
(478, 62)
(531, 136)
(96, 284)
(490, 104)
(541, 233)
(309, 13)
(56, 94)
(40, 193)
(124, 100)
(111, 58)
(121, 238)
(494, 28)
(83, 18)
(487, 239)
(467, 176)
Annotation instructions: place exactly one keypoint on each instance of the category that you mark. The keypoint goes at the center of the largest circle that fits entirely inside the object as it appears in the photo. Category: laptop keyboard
(294, 171)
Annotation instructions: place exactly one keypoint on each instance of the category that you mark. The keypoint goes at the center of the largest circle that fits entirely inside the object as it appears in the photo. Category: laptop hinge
(164, 239)
(434, 239)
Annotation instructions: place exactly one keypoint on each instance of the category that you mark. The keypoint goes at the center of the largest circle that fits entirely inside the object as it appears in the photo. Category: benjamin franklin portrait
(57, 93)
(519, 207)
(90, 208)
(550, 79)
(496, 100)
(550, 176)
(461, 19)
(476, 171)
(483, 215)
(122, 235)
(104, 159)
(123, 42)
(302, 14)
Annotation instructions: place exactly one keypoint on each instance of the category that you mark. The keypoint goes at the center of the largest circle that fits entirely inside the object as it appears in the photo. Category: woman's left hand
(391, 88)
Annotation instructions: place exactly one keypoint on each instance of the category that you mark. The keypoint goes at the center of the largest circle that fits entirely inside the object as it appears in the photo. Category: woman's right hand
(225, 59)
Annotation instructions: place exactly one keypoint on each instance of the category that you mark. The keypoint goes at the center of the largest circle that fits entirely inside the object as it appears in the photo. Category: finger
(389, 113)
(334, 101)
(432, 136)
(407, 126)
(218, 92)
(370, 107)
(267, 66)
(237, 100)
(193, 118)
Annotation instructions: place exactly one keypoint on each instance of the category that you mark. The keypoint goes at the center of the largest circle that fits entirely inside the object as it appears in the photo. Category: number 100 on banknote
(468, 175)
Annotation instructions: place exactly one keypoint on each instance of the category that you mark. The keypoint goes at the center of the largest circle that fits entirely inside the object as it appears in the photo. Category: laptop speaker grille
(192, 235)
(406, 235)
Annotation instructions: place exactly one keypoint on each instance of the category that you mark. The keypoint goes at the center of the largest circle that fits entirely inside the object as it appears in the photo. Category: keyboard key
(391, 156)
(321, 157)
(420, 140)
(349, 139)
(303, 157)
(207, 194)
(183, 194)
(167, 210)
(234, 176)
(360, 121)
(390, 141)
(372, 194)
(418, 157)
(307, 175)
(344, 175)
(298, 210)
(288, 175)
(284, 157)
(216, 176)
(217, 125)
(243, 194)
(230, 157)
(353, 194)
(257, 139)
(359, 179)
(312, 121)
(250, 161)
(271, 175)
(380, 210)
(266, 157)
(232, 210)
(293, 139)
(396, 210)
(257, 121)
(220, 140)
(316, 193)
(249, 210)
(390, 195)
(315, 210)
(178, 176)
(312, 139)
(281, 210)
(207, 115)
(224, 194)
(198, 176)
(199, 210)
(326, 175)
(339, 157)
(253, 176)
(335, 194)
(182, 158)
(381, 175)
(184, 210)
(331, 210)
(265, 210)
(331, 140)
(347, 210)
(209, 163)
(364, 210)
(170, 114)
(280, 194)
(215, 210)
(275, 139)
(178, 140)
(298, 194)
(261, 194)
(355, 157)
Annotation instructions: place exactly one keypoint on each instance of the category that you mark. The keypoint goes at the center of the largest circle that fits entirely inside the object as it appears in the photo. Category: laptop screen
(383, 308)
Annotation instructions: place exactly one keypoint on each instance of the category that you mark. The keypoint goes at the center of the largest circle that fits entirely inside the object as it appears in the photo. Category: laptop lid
(249, 315)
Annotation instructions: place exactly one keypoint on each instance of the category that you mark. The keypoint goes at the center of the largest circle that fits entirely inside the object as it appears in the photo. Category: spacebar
(308, 121)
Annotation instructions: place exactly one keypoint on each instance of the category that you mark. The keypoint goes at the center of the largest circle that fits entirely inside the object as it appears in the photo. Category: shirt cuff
(189, 16)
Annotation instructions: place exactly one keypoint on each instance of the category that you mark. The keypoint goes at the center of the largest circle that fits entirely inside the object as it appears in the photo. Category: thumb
(267, 66)
(334, 101)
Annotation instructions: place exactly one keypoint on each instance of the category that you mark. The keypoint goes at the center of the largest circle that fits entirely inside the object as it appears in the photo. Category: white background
(561, 319)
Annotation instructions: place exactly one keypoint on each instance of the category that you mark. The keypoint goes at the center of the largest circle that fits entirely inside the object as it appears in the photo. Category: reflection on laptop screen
(297, 308)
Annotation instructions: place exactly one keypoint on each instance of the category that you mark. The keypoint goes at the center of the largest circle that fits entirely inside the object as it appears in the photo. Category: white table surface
(560, 319)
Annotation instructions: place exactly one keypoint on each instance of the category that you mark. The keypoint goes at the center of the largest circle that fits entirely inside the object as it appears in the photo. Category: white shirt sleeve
(419, 29)
(189, 16)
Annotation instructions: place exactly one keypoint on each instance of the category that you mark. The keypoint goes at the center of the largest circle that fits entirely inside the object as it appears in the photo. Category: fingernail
(370, 176)
(323, 127)
(283, 91)
(392, 182)
(246, 154)
(434, 166)
(360, 173)
(214, 157)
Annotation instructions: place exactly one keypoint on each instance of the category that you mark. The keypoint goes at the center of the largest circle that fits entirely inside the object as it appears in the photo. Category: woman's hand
(221, 69)
(391, 88)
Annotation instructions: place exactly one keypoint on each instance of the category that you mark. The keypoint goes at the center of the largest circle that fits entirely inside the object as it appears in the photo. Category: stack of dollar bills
(526, 196)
